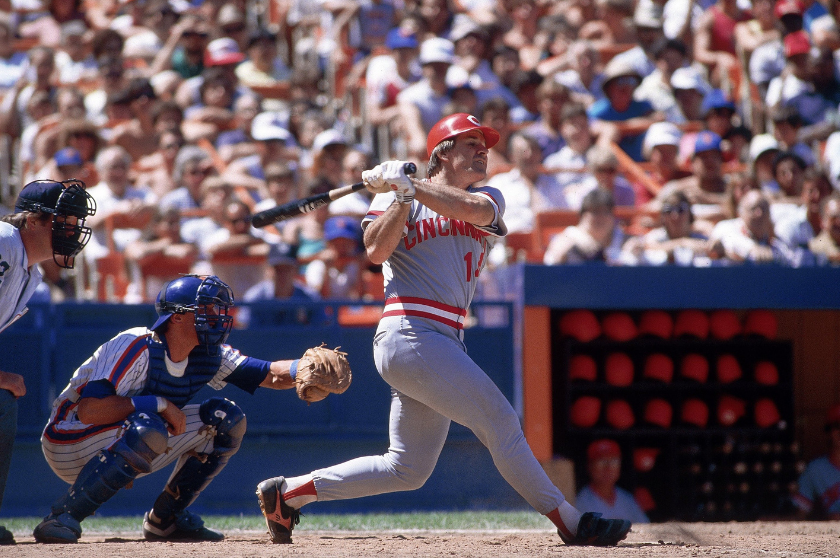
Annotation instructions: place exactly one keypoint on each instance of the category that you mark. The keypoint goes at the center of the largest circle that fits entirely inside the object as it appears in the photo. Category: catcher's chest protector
(159, 382)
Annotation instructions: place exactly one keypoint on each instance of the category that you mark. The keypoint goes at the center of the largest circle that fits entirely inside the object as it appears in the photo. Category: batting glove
(372, 178)
(393, 173)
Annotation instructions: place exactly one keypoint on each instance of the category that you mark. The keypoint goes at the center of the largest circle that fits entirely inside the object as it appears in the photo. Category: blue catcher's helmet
(208, 297)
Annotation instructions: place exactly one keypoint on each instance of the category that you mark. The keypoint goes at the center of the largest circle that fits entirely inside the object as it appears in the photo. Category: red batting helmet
(619, 326)
(724, 324)
(618, 369)
(620, 415)
(766, 373)
(459, 123)
(761, 322)
(659, 412)
(766, 413)
(585, 411)
(644, 498)
(644, 458)
(695, 412)
(692, 322)
(601, 449)
(657, 323)
(730, 410)
(696, 367)
(583, 367)
(580, 324)
(728, 368)
(659, 367)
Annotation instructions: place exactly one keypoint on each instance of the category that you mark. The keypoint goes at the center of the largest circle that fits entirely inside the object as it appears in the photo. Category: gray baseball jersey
(418, 348)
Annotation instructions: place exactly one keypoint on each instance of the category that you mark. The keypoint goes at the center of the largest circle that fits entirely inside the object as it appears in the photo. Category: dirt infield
(663, 540)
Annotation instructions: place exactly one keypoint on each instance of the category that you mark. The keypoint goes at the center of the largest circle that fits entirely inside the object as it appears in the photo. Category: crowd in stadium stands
(633, 132)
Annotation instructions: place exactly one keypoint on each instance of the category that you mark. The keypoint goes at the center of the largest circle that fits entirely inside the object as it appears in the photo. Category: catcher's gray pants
(434, 381)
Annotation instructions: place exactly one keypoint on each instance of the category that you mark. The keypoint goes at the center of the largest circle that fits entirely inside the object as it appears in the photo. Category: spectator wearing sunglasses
(675, 241)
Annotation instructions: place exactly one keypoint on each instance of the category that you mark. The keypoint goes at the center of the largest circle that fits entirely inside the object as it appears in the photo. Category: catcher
(124, 413)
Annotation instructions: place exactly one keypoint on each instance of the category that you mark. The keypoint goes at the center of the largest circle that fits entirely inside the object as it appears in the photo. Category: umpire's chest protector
(201, 368)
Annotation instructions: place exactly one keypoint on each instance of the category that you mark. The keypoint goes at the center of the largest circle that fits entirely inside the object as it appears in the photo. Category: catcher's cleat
(593, 530)
(6, 536)
(279, 517)
(185, 527)
(58, 529)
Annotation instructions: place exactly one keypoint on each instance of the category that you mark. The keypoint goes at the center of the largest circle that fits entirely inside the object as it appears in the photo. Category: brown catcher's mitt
(322, 371)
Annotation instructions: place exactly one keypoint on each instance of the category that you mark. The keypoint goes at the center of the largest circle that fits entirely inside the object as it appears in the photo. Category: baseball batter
(124, 413)
(48, 223)
(432, 238)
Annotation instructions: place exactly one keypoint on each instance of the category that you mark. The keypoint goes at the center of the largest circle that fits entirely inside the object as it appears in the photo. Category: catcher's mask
(70, 205)
(206, 296)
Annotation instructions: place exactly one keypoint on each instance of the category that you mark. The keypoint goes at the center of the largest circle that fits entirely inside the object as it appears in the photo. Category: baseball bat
(310, 203)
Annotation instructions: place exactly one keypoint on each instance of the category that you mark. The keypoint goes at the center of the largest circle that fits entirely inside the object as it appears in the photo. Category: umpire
(48, 223)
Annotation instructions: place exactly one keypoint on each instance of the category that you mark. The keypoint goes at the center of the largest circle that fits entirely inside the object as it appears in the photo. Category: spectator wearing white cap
(328, 151)
(763, 150)
(421, 104)
(273, 143)
(660, 149)
(689, 89)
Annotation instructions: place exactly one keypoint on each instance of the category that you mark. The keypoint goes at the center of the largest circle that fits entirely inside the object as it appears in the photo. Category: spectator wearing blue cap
(717, 111)
(386, 75)
(68, 162)
(706, 185)
(337, 270)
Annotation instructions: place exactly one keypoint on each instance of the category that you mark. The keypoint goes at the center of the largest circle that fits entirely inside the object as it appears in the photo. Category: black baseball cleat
(6, 536)
(280, 518)
(593, 530)
(184, 527)
(60, 528)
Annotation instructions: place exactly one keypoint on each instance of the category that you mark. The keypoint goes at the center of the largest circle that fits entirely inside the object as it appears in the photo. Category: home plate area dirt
(657, 540)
